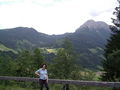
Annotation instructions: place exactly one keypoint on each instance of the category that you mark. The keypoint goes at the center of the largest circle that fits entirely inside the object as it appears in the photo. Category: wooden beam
(58, 81)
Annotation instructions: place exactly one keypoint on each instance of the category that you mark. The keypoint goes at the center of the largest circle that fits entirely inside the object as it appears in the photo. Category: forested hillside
(88, 41)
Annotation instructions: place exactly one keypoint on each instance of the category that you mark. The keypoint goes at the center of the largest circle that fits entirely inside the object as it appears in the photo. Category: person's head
(44, 66)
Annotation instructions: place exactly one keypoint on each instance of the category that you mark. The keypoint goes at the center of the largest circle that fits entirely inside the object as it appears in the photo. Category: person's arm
(47, 77)
(37, 73)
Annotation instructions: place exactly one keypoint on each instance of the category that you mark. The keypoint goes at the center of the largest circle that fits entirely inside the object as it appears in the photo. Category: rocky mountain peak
(94, 26)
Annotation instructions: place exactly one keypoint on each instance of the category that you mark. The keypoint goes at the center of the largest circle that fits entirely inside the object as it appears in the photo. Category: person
(43, 76)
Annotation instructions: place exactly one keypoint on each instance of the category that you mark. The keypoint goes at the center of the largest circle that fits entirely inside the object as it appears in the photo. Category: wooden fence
(65, 82)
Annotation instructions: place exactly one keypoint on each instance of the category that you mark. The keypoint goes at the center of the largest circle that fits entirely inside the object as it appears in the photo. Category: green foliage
(7, 66)
(28, 62)
(111, 67)
(15, 87)
(38, 59)
(64, 62)
(24, 64)
(24, 44)
(113, 43)
(63, 65)
(111, 63)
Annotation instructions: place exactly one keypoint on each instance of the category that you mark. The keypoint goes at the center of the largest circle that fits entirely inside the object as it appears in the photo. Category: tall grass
(51, 86)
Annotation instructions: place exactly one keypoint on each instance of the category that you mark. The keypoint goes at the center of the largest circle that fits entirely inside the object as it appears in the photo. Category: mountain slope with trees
(88, 41)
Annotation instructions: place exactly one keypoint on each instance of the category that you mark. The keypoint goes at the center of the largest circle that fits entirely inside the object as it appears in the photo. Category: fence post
(65, 87)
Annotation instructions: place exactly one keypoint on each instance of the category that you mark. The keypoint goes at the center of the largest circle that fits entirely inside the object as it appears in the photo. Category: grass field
(56, 87)
(4, 48)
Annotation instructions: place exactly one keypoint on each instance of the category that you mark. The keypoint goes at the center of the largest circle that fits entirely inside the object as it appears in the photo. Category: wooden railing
(65, 82)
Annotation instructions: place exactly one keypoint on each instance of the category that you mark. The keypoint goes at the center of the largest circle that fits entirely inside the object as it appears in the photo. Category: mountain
(24, 38)
(88, 40)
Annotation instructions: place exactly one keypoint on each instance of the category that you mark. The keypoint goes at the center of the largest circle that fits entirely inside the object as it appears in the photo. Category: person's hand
(37, 74)
(47, 80)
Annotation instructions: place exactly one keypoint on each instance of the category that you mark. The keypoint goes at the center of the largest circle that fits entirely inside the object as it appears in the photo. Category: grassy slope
(4, 48)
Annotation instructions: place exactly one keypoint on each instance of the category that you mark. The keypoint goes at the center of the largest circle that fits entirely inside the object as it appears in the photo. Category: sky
(54, 16)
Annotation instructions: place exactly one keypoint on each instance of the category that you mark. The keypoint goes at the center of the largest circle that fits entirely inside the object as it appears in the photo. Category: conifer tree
(111, 64)
(7, 66)
(38, 59)
(113, 43)
(64, 62)
(24, 64)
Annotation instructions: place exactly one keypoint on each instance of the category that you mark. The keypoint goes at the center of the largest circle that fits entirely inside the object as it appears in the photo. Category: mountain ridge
(88, 40)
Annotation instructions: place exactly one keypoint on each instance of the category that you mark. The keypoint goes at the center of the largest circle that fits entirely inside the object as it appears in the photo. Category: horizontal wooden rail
(58, 81)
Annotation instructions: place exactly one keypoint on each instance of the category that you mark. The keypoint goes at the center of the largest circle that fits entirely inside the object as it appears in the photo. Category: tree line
(63, 65)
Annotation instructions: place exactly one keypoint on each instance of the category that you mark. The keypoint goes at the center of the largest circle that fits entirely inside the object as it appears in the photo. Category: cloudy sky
(54, 16)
